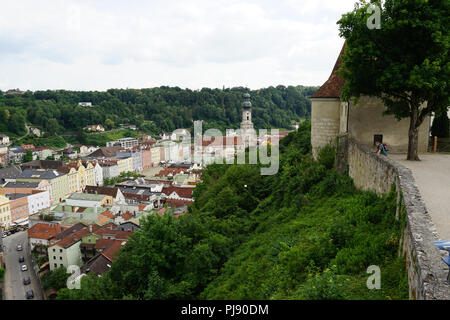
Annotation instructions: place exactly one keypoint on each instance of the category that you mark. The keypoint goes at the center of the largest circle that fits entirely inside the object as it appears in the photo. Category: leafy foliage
(305, 233)
(151, 110)
(56, 279)
(405, 63)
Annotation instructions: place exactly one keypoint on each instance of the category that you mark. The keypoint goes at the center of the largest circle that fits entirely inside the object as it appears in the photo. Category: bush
(2, 273)
(56, 279)
(324, 286)
(327, 156)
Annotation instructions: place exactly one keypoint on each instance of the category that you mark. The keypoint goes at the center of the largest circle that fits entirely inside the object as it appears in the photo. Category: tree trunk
(413, 135)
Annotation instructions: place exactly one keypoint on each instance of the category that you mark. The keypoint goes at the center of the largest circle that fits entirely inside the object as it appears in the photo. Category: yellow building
(125, 164)
(58, 181)
(72, 177)
(90, 174)
(5, 213)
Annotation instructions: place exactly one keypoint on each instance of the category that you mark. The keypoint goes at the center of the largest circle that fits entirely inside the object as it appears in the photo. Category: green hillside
(152, 110)
(305, 233)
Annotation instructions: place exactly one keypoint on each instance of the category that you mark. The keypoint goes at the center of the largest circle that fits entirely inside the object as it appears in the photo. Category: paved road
(432, 175)
(13, 281)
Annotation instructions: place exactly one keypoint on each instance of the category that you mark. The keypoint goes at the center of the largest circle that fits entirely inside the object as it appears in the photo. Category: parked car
(4, 235)
(21, 259)
(24, 267)
(19, 247)
(30, 294)
(26, 280)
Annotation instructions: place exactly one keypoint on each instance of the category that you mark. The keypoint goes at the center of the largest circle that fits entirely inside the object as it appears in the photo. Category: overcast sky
(102, 44)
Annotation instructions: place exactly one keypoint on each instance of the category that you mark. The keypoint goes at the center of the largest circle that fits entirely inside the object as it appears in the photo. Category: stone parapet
(426, 270)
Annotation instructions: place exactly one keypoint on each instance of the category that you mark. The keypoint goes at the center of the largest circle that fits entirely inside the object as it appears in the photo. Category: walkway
(432, 176)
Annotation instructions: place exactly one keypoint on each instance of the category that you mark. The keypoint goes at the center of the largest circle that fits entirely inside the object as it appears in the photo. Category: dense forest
(153, 110)
(304, 233)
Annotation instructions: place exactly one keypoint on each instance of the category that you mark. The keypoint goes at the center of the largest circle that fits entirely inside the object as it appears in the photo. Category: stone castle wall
(325, 122)
(426, 270)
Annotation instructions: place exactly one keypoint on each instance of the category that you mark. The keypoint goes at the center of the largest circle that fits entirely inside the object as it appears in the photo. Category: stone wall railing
(426, 270)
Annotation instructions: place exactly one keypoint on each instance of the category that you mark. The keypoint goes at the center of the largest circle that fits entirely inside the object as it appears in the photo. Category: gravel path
(432, 175)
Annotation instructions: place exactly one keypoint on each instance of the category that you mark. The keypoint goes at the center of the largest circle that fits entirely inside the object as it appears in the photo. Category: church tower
(246, 124)
(247, 130)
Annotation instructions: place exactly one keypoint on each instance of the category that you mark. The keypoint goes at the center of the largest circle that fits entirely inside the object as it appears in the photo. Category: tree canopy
(152, 110)
(405, 62)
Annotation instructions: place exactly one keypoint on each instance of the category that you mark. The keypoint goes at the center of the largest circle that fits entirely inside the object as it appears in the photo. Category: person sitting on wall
(381, 149)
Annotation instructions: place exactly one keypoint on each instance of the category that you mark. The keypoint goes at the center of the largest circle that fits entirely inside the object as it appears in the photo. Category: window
(54, 250)
(56, 265)
(60, 258)
(62, 265)
(60, 250)
(54, 257)
(377, 138)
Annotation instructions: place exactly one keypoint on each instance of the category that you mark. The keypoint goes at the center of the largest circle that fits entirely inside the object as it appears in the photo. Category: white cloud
(96, 45)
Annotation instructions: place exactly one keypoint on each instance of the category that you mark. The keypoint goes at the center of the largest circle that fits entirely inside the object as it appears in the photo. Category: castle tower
(247, 129)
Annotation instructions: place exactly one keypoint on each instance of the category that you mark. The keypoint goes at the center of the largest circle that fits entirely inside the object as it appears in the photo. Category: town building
(126, 143)
(3, 148)
(66, 252)
(95, 128)
(5, 213)
(42, 153)
(85, 104)
(37, 132)
(105, 152)
(41, 233)
(9, 174)
(26, 187)
(110, 169)
(59, 183)
(4, 139)
(4, 159)
(136, 158)
(38, 200)
(18, 204)
(42, 164)
(16, 154)
(87, 200)
(70, 153)
(113, 192)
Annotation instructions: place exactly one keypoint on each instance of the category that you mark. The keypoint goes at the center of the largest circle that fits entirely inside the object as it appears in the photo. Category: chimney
(73, 209)
(64, 208)
(90, 228)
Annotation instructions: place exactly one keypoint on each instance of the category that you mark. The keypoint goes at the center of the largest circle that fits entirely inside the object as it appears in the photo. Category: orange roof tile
(44, 231)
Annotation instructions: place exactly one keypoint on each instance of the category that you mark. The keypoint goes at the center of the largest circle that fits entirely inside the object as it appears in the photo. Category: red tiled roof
(71, 239)
(113, 250)
(117, 234)
(221, 141)
(44, 231)
(182, 192)
(166, 171)
(102, 190)
(175, 203)
(108, 214)
(127, 216)
(332, 87)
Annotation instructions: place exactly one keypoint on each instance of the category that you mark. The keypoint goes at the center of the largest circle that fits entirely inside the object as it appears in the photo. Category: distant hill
(152, 110)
